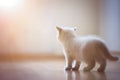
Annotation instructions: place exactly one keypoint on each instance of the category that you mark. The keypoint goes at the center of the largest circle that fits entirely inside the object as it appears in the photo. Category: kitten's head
(65, 32)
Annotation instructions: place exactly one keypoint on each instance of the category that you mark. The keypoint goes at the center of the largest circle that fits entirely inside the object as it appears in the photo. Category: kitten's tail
(107, 53)
(110, 57)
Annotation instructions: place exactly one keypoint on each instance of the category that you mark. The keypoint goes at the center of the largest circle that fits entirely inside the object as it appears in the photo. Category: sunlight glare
(10, 4)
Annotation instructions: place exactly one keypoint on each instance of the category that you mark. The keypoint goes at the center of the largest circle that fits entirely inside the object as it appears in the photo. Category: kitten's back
(97, 46)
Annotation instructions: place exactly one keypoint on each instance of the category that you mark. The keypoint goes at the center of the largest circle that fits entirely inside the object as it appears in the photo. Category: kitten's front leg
(77, 65)
(69, 61)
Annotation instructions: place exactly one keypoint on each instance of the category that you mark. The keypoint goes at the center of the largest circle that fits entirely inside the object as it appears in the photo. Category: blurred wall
(110, 23)
(28, 26)
(32, 22)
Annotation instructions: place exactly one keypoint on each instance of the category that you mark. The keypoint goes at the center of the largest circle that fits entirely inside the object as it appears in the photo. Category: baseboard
(34, 56)
(29, 57)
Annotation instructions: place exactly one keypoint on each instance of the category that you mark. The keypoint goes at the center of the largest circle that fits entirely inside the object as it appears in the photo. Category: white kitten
(88, 49)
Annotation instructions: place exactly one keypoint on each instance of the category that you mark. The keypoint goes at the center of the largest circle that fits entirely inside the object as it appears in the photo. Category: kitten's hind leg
(90, 65)
(77, 65)
(102, 67)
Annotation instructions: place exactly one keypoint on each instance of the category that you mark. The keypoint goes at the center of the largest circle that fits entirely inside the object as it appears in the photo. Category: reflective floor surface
(53, 70)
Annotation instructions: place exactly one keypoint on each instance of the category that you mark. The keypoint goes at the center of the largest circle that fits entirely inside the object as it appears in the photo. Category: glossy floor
(53, 70)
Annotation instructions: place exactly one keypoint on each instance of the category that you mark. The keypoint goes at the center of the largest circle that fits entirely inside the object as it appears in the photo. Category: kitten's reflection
(69, 75)
(80, 75)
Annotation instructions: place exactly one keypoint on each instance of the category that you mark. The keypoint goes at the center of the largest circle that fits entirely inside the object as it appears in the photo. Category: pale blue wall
(110, 23)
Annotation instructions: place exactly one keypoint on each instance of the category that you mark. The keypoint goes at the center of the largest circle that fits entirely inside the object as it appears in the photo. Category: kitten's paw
(100, 70)
(86, 69)
(68, 68)
(75, 69)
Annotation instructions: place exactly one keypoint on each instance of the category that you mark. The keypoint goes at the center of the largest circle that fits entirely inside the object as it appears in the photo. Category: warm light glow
(10, 4)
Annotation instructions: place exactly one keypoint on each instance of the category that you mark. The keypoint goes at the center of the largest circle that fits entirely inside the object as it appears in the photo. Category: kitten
(89, 49)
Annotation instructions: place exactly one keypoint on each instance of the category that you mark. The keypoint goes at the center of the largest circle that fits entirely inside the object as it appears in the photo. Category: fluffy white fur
(89, 49)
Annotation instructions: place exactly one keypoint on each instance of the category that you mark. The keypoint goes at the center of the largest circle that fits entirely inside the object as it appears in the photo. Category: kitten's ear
(58, 28)
(75, 28)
